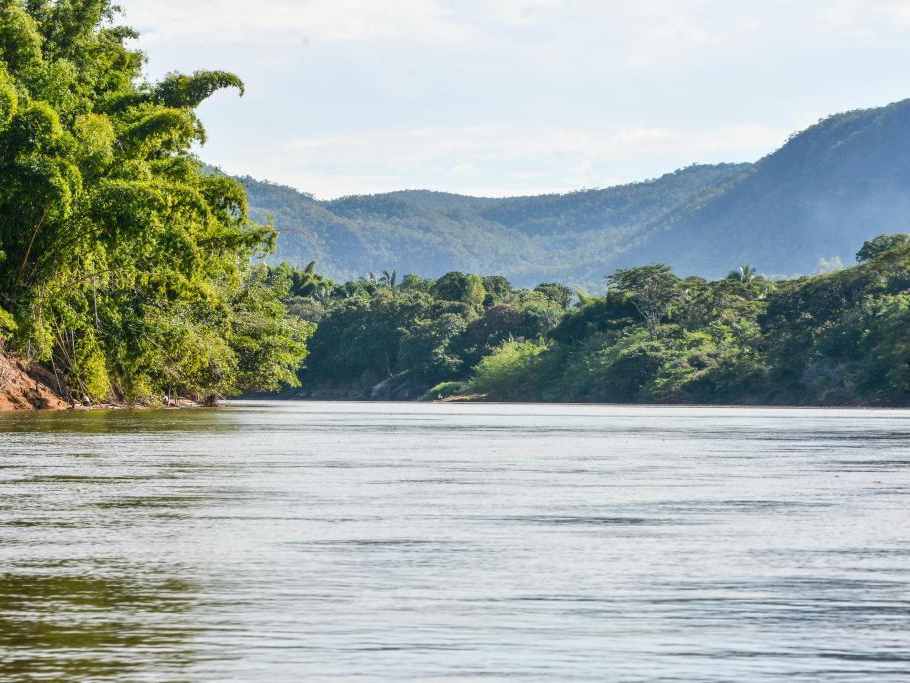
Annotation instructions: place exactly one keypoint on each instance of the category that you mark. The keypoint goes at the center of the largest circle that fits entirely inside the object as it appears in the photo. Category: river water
(273, 542)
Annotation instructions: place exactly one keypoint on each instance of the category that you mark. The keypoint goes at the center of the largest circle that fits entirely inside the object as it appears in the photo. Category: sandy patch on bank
(26, 387)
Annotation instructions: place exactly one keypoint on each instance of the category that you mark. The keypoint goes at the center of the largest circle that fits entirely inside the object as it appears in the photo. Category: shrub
(510, 372)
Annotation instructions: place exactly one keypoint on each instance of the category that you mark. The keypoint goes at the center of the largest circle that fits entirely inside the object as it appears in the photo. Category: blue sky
(504, 97)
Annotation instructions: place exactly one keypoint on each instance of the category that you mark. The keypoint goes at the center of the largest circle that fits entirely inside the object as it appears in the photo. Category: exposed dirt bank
(26, 386)
(462, 398)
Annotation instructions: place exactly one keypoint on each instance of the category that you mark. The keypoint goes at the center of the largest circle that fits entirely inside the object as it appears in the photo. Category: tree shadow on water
(140, 421)
(64, 627)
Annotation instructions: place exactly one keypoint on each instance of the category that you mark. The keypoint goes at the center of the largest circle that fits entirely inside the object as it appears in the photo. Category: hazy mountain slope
(528, 239)
(619, 207)
(821, 195)
(355, 235)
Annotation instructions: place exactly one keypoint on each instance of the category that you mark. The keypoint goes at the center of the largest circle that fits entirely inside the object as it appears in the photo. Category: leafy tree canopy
(125, 266)
(834, 338)
(881, 244)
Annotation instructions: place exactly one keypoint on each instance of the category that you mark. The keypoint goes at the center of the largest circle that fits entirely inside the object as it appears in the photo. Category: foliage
(419, 332)
(468, 289)
(881, 244)
(557, 294)
(651, 289)
(834, 338)
(744, 273)
(424, 349)
(498, 290)
(125, 264)
(7, 325)
(510, 372)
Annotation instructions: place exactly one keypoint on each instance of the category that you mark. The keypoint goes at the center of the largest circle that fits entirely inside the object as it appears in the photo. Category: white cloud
(506, 96)
(489, 160)
(865, 22)
(644, 33)
(490, 143)
(279, 22)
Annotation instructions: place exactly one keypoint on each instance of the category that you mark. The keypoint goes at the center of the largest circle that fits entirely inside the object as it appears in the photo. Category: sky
(513, 97)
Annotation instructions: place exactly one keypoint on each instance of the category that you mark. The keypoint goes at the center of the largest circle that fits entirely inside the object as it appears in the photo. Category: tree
(881, 244)
(269, 346)
(424, 348)
(744, 273)
(457, 286)
(362, 334)
(497, 288)
(652, 289)
(416, 283)
(389, 279)
(557, 294)
(126, 265)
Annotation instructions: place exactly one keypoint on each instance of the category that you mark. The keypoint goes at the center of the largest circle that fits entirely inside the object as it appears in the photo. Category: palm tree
(388, 279)
(744, 273)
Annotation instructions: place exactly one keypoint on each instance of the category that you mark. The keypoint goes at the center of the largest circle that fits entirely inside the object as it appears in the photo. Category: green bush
(509, 373)
(90, 372)
(7, 325)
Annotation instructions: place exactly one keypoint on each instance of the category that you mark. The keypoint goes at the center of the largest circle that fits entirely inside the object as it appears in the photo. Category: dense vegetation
(835, 338)
(128, 269)
(808, 204)
(124, 266)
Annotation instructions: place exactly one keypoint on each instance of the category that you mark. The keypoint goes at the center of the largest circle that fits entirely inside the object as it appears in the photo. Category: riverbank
(28, 386)
(345, 393)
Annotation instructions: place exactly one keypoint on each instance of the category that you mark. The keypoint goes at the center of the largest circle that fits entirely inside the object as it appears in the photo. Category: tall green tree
(880, 245)
(124, 264)
(652, 289)
(455, 286)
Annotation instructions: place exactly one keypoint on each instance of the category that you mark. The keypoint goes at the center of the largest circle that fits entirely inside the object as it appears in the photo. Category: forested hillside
(827, 189)
(529, 239)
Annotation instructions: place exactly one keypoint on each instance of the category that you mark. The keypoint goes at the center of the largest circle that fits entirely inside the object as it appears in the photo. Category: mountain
(828, 189)
(528, 239)
(822, 194)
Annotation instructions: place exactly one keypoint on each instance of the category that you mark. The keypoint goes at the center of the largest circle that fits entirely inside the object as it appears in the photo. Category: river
(269, 542)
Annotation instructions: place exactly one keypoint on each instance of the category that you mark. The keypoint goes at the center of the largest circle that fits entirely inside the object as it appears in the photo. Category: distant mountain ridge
(822, 194)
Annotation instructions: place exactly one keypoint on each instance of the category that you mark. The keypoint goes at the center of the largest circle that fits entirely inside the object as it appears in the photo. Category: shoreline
(483, 399)
(183, 404)
(27, 387)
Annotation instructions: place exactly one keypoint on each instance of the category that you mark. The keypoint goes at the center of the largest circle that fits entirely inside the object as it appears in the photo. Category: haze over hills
(829, 188)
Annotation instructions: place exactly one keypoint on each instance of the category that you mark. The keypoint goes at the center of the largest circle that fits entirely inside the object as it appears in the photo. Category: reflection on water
(113, 421)
(285, 542)
(67, 627)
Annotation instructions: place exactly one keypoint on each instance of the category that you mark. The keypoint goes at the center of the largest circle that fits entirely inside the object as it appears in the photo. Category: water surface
(304, 541)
